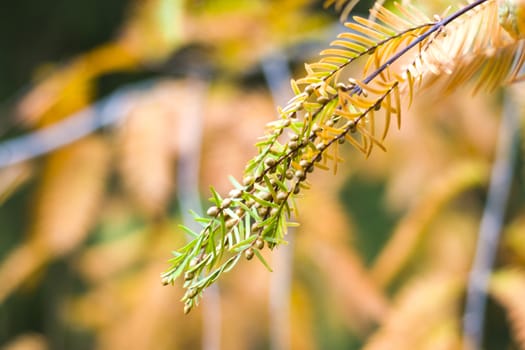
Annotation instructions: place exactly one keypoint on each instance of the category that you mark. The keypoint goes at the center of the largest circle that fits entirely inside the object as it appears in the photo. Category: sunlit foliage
(400, 111)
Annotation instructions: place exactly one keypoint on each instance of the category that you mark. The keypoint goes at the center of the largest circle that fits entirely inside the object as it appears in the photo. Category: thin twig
(491, 224)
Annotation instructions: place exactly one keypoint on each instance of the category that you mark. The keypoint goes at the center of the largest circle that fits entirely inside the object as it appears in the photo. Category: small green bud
(192, 293)
(188, 276)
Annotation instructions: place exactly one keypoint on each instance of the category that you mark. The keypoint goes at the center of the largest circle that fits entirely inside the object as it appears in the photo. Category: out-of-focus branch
(106, 112)
(491, 225)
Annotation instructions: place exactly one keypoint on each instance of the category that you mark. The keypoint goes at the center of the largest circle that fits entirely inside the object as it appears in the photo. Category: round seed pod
(259, 244)
(281, 196)
(351, 126)
(323, 99)
(320, 146)
(293, 145)
(262, 211)
(269, 162)
(248, 180)
(300, 175)
(239, 211)
(255, 228)
(235, 193)
(248, 254)
(274, 212)
(266, 196)
(289, 174)
(304, 163)
(341, 86)
(297, 189)
(226, 203)
(230, 223)
(212, 211)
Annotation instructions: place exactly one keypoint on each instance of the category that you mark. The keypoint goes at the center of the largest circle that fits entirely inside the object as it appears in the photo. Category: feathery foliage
(402, 51)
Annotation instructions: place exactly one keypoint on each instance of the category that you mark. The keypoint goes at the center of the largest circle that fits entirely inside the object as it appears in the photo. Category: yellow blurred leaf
(11, 178)
(27, 341)
(69, 195)
(68, 89)
(146, 147)
(423, 305)
(154, 29)
(412, 227)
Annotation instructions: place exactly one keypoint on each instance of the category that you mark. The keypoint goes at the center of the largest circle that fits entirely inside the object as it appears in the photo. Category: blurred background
(145, 105)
